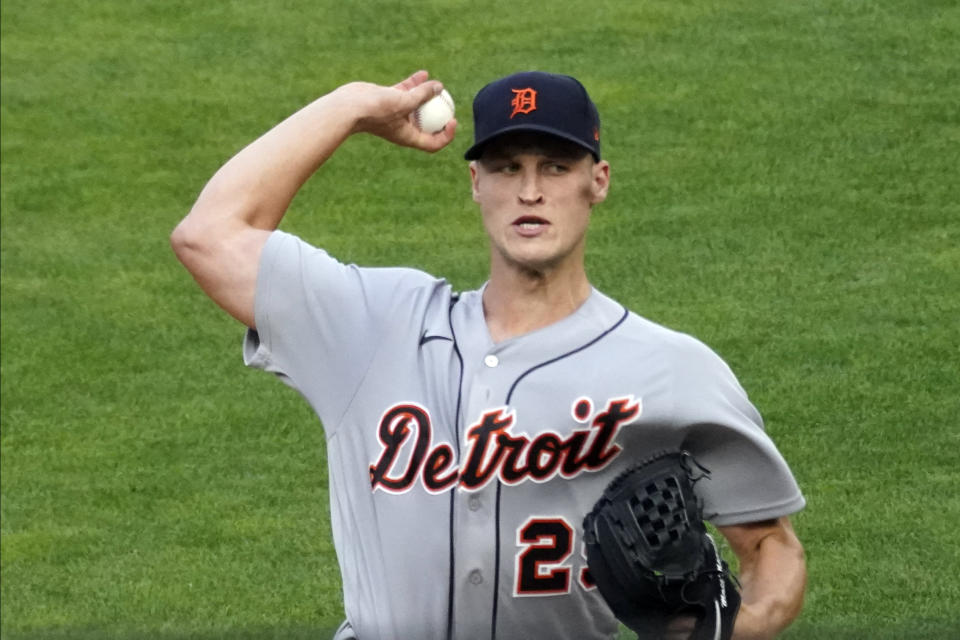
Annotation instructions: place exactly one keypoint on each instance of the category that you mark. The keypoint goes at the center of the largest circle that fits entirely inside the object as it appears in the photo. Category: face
(535, 197)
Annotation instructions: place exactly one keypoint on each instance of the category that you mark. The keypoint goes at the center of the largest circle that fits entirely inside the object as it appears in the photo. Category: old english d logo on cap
(524, 101)
(537, 102)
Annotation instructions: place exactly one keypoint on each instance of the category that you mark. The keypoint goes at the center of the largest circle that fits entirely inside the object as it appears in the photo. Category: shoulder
(680, 359)
(300, 285)
(289, 253)
(682, 348)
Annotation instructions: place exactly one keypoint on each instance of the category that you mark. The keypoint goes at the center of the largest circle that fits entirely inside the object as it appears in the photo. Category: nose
(530, 192)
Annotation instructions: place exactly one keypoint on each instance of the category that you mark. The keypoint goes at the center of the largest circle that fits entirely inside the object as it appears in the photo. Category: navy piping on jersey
(453, 493)
(496, 567)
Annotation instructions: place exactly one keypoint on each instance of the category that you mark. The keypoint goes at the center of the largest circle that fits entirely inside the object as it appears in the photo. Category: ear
(600, 182)
(474, 180)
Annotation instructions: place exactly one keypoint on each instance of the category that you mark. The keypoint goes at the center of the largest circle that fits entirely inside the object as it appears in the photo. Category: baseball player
(469, 433)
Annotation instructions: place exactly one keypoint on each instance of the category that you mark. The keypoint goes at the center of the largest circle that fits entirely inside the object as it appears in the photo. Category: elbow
(194, 237)
(184, 240)
(208, 220)
(179, 239)
(214, 221)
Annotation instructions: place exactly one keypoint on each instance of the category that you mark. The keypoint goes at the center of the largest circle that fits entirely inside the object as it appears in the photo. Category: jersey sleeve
(320, 322)
(749, 479)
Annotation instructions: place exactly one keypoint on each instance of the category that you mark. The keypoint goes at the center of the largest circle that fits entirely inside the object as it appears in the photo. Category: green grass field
(786, 186)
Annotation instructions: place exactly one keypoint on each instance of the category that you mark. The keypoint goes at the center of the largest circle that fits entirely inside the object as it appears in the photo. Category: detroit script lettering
(492, 450)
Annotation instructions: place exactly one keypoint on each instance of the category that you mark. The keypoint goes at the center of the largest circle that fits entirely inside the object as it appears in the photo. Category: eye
(556, 168)
(508, 168)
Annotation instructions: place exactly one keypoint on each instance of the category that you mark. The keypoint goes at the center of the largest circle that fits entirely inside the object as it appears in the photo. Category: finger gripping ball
(433, 115)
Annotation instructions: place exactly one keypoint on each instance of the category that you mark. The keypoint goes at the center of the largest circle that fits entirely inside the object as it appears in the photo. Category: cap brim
(474, 152)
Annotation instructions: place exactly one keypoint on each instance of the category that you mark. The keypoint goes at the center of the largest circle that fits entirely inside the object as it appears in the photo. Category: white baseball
(433, 115)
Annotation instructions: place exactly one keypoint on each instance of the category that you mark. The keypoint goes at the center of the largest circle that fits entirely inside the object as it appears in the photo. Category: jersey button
(476, 577)
(491, 361)
(473, 503)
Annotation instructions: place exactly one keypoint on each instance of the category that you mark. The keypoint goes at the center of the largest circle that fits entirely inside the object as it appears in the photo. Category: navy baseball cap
(535, 101)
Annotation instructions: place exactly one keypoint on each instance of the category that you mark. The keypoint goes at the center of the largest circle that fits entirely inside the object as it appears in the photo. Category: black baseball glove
(651, 556)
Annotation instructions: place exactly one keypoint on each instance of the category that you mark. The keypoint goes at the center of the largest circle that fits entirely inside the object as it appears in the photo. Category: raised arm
(773, 576)
(220, 240)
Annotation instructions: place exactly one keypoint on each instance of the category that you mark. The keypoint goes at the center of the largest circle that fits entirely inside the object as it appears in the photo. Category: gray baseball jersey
(460, 470)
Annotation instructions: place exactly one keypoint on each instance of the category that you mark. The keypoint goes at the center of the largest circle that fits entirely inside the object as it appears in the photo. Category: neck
(517, 302)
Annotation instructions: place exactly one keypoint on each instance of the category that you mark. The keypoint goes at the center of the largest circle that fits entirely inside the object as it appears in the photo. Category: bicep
(224, 262)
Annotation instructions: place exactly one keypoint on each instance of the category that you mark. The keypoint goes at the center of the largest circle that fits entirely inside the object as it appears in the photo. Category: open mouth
(529, 223)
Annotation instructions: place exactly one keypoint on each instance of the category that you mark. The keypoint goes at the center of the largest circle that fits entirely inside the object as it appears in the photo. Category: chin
(535, 257)
(535, 264)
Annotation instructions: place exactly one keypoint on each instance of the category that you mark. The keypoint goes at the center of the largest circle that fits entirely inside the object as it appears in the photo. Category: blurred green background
(785, 187)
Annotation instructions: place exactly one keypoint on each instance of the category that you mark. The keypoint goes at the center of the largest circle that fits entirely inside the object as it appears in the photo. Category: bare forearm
(257, 185)
(773, 578)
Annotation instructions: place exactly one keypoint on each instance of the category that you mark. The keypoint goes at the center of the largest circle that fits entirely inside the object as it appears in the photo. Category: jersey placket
(475, 508)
